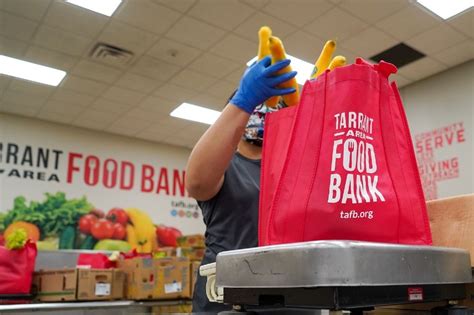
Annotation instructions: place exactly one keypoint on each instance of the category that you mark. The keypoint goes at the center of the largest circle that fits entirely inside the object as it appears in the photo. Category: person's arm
(213, 152)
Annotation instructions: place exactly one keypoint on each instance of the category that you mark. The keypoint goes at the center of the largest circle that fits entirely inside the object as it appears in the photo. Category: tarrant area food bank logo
(353, 150)
(184, 210)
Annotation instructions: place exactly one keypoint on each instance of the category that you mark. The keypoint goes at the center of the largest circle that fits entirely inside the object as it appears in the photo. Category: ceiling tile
(138, 113)
(369, 42)
(205, 100)
(102, 104)
(86, 86)
(236, 48)
(138, 83)
(464, 22)
(62, 41)
(11, 47)
(298, 12)
(456, 54)
(173, 123)
(421, 69)
(224, 14)
(407, 22)
(157, 128)
(181, 5)
(128, 126)
(89, 124)
(62, 107)
(154, 68)
(195, 33)
(72, 97)
(249, 29)
(31, 9)
(93, 115)
(50, 58)
(96, 71)
(214, 65)
(16, 27)
(153, 136)
(158, 105)
(147, 15)
(173, 52)
(193, 80)
(18, 109)
(255, 3)
(65, 118)
(30, 87)
(122, 95)
(303, 45)
(17, 98)
(400, 80)
(371, 11)
(73, 19)
(174, 92)
(4, 82)
(222, 90)
(436, 39)
(335, 24)
(235, 76)
(128, 37)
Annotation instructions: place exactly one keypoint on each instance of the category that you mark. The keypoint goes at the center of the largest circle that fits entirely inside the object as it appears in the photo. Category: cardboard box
(118, 284)
(452, 222)
(196, 240)
(173, 278)
(194, 274)
(79, 284)
(140, 277)
(94, 284)
(55, 285)
(192, 253)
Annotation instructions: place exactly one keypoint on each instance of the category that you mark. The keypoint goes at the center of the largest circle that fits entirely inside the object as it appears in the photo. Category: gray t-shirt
(231, 219)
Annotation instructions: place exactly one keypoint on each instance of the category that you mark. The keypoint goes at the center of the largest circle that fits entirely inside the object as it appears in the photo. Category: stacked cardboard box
(156, 278)
(78, 284)
(192, 247)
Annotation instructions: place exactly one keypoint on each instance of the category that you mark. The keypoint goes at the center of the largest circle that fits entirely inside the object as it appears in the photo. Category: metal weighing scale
(338, 275)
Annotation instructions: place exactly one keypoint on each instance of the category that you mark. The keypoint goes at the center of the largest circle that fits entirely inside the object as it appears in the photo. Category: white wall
(440, 114)
(163, 160)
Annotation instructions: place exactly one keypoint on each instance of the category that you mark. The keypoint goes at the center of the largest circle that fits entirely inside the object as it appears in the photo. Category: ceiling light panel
(446, 9)
(30, 71)
(105, 7)
(196, 113)
(303, 68)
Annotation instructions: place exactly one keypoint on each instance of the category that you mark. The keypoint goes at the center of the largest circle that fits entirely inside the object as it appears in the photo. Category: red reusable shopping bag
(16, 269)
(341, 164)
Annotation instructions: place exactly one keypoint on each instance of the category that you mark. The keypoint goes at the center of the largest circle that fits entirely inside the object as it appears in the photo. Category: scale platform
(339, 275)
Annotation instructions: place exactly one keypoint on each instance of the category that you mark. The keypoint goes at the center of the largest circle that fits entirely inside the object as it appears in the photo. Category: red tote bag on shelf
(342, 166)
(16, 269)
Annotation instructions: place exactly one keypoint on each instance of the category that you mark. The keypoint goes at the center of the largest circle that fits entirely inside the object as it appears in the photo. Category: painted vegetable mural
(61, 223)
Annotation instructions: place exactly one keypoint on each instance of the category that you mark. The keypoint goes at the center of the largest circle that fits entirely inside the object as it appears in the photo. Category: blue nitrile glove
(259, 84)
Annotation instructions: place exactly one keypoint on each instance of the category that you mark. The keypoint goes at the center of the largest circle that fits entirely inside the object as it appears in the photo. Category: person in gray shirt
(223, 171)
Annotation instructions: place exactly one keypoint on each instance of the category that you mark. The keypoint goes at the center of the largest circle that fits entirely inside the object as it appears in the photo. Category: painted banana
(324, 59)
(132, 238)
(144, 229)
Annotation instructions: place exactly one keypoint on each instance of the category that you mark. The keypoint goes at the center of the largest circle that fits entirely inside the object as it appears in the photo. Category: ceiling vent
(400, 55)
(111, 55)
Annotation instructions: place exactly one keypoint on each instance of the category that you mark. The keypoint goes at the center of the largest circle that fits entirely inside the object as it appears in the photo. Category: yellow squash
(278, 54)
(337, 61)
(324, 59)
(264, 35)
